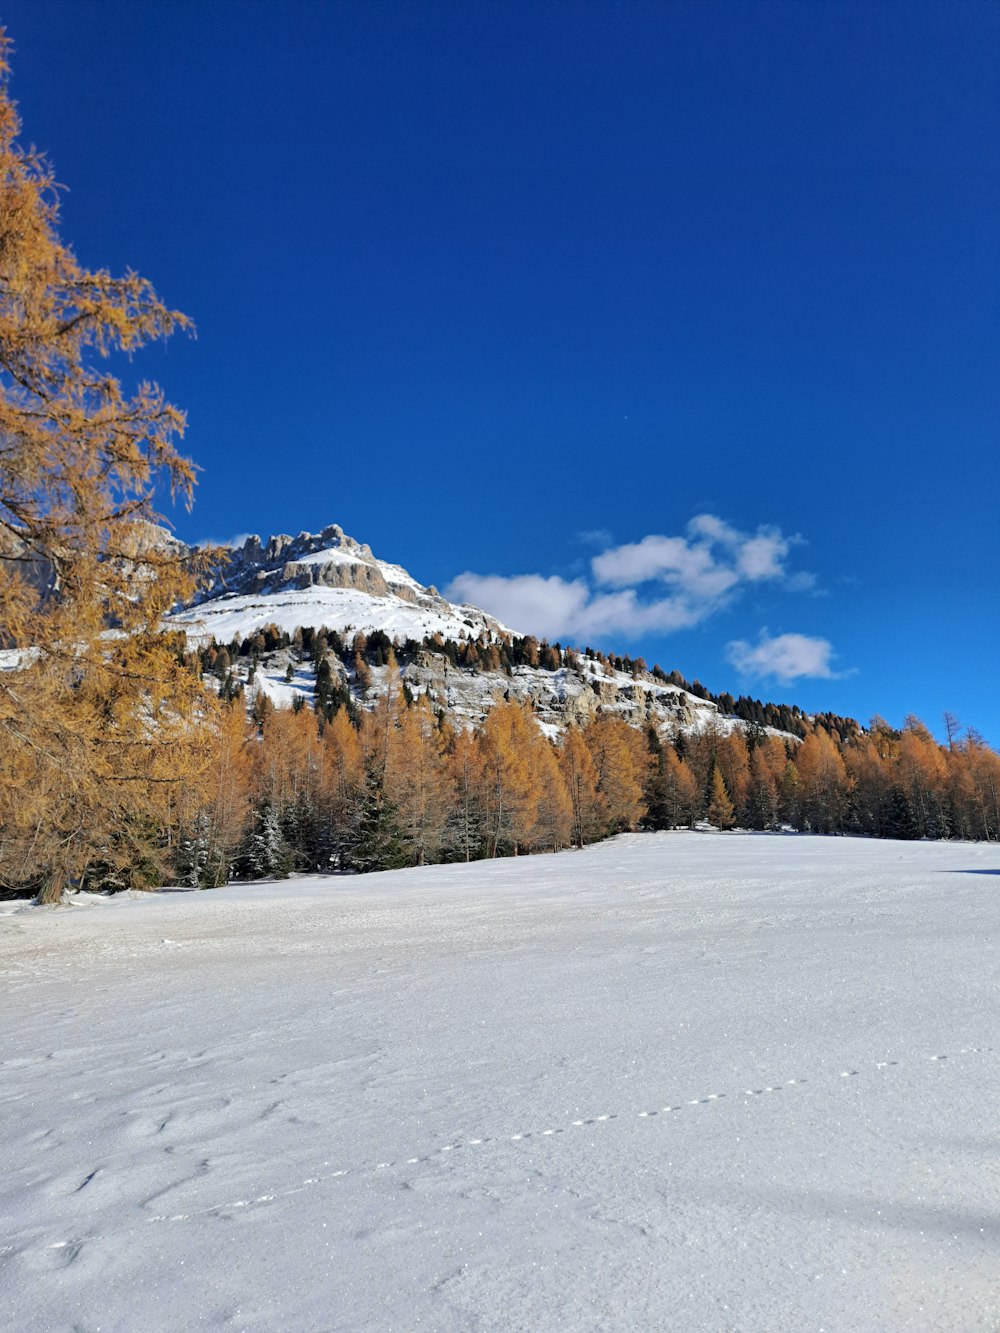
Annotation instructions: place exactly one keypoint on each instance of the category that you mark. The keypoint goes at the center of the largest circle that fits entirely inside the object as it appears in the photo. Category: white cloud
(709, 562)
(713, 528)
(655, 585)
(542, 606)
(594, 537)
(689, 567)
(787, 657)
(555, 608)
(761, 557)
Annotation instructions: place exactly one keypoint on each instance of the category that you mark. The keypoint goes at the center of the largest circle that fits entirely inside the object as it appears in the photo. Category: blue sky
(668, 328)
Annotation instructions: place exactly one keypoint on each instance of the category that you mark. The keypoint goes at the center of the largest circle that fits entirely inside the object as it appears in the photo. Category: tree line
(282, 791)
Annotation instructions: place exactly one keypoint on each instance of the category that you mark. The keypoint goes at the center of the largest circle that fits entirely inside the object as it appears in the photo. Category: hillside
(463, 659)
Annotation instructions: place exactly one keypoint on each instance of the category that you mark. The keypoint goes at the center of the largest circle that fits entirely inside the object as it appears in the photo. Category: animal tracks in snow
(532, 1136)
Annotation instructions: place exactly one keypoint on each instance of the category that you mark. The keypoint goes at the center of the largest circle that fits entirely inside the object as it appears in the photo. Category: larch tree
(762, 792)
(416, 783)
(983, 766)
(589, 811)
(699, 753)
(621, 762)
(345, 783)
(869, 772)
(379, 843)
(222, 801)
(923, 776)
(825, 784)
(554, 821)
(96, 707)
(466, 820)
(679, 791)
(733, 759)
(720, 810)
(511, 789)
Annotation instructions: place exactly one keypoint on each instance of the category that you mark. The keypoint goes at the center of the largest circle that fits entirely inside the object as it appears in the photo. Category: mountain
(326, 578)
(329, 580)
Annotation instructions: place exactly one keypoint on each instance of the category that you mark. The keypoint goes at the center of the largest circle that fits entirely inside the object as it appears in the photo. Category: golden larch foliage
(97, 712)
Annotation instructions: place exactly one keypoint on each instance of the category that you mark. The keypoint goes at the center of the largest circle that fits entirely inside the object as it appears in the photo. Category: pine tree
(657, 812)
(193, 850)
(379, 844)
(265, 853)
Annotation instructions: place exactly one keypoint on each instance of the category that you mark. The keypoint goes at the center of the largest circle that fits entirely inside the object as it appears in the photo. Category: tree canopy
(94, 703)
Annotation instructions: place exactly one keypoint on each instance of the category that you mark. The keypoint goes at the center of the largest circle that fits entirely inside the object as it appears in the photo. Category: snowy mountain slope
(327, 579)
(558, 697)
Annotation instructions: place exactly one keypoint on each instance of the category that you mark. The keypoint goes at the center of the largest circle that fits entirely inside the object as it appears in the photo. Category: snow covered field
(679, 1081)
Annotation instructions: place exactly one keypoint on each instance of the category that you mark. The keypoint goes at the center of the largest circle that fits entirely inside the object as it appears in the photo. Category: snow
(409, 610)
(689, 1081)
(332, 555)
(283, 693)
(396, 575)
(336, 608)
(14, 659)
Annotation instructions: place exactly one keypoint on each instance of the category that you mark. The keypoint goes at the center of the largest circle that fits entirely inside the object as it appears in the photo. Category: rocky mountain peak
(329, 558)
(325, 578)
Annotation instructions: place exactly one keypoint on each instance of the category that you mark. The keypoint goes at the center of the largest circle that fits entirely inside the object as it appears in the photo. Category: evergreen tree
(191, 855)
(762, 794)
(379, 844)
(900, 821)
(658, 813)
(264, 854)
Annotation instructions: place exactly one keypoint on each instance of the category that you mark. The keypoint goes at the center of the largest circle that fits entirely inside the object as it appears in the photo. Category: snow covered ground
(344, 609)
(681, 1081)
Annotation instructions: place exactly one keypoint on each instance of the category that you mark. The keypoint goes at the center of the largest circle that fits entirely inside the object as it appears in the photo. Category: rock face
(40, 573)
(572, 694)
(328, 559)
